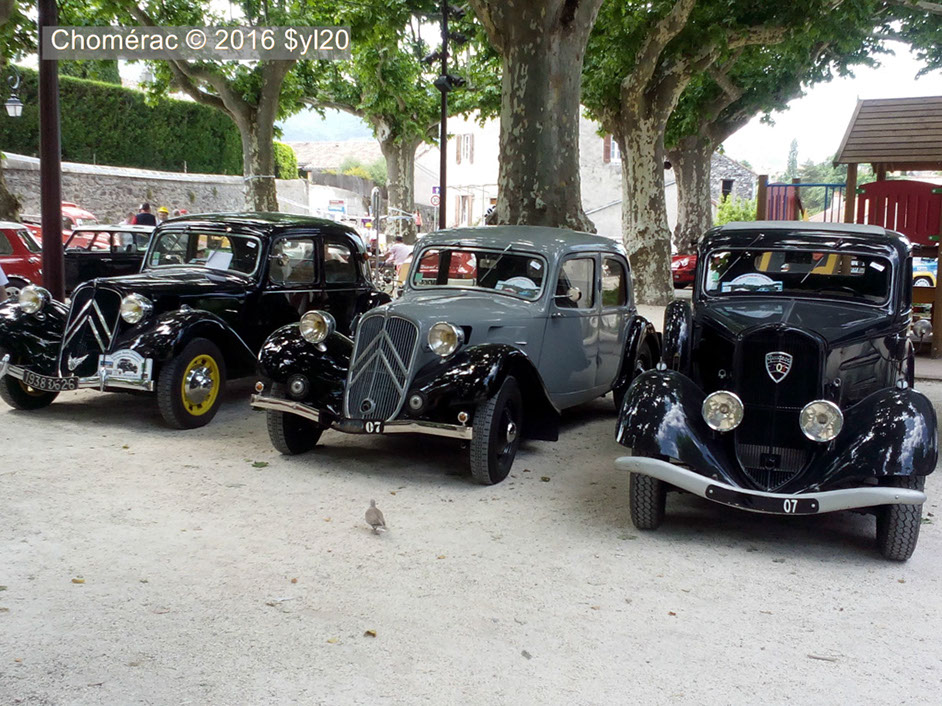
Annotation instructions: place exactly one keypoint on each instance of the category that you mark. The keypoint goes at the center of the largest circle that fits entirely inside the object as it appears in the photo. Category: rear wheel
(922, 282)
(898, 525)
(190, 386)
(19, 395)
(289, 433)
(498, 423)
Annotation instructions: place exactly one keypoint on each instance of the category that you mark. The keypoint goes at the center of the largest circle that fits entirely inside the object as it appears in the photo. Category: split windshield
(508, 273)
(233, 253)
(795, 272)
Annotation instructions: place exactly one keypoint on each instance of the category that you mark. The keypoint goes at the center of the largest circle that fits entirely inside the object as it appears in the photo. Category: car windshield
(500, 271)
(28, 241)
(798, 272)
(235, 253)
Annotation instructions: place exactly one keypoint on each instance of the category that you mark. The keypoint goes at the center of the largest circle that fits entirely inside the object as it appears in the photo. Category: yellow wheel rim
(200, 386)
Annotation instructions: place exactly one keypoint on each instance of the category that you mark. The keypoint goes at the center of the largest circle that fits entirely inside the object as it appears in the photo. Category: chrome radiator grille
(379, 370)
(771, 467)
(92, 325)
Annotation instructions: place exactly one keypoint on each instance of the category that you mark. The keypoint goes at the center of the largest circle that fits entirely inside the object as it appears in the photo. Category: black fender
(676, 338)
(165, 336)
(286, 353)
(640, 332)
(473, 375)
(33, 339)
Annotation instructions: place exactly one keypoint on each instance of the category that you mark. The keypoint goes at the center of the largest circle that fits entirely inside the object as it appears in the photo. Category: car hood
(462, 308)
(836, 322)
(178, 281)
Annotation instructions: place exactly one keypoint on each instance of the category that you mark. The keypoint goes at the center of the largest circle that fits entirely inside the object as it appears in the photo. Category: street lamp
(13, 104)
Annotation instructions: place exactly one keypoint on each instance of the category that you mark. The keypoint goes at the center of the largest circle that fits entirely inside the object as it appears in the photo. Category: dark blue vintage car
(787, 387)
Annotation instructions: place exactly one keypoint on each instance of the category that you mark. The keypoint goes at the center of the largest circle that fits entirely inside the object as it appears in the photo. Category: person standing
(3, 286)
(163, 213)
(144, 217)
(399, 255)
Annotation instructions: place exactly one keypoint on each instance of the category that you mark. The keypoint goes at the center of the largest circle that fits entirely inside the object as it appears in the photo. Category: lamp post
(13, 104)
(50, 160)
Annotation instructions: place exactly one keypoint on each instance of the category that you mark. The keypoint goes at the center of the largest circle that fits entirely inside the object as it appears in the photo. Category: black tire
(898, 525)
(289, 433)
(200, 356)
(21, 396)
(645, 362)
(647, 501)
(498, 423)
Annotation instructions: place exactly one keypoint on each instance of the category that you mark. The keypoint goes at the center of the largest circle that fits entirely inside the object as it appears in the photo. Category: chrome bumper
(769, 503)
(101, 382)
(352, 426)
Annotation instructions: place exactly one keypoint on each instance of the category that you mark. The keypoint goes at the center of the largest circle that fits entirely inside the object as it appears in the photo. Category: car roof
(11, 224)
(108, 227)
(552, 242)
(270, 223)
(804, 233)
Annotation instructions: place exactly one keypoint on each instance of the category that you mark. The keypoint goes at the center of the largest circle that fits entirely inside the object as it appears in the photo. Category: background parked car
(104, 251)
(72, 217)
(20, 257)
(682, 270)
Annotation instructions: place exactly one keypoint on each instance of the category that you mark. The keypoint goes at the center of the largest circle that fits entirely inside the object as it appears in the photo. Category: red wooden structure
(913, 208)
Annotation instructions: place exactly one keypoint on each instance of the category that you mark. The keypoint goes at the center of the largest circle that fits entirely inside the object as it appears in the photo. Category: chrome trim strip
(97, 382)
(451, 431)
(828, 500)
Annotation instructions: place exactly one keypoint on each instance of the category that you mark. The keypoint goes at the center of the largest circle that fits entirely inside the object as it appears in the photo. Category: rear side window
(6, 248)
(292, 261)
(576, 273)
(614, 283)
(340, 266)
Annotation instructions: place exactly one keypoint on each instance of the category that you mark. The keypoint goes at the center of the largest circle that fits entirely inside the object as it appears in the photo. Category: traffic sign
(437, 190)
(436, 199)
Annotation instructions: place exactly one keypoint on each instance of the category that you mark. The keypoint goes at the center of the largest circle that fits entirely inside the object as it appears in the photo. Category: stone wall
(744, 179)
(113, 192)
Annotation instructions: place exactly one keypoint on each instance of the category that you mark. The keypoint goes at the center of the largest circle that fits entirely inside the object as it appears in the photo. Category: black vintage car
(104, 251)
(787, 388)
(213, 287)
(497, 330)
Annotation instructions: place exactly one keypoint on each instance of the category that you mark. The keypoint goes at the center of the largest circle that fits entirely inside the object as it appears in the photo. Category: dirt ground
(213, 571)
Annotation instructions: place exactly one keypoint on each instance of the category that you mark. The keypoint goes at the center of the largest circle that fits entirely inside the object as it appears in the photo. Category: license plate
(373, 427)
(49, 384)
(777, 505)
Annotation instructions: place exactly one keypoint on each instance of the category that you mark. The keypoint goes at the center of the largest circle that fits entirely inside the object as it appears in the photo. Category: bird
(374, 518)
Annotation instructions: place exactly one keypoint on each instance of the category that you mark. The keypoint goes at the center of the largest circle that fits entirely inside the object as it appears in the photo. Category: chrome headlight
(135, 307)
(722, 411)
(33, 298)
(316, 326)
(821, 420)
(444, 338)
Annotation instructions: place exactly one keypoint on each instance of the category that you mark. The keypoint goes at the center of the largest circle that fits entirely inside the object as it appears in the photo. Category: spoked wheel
(647, 501)
(289, 433)
(190, 386)
(898, 525)
(19, 395)
(498, 423)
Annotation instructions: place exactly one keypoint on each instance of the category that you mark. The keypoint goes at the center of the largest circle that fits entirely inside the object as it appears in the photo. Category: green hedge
(286, 161)
(108, 124)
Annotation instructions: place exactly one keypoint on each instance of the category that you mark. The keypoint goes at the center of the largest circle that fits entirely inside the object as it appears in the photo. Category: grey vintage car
(498, 330)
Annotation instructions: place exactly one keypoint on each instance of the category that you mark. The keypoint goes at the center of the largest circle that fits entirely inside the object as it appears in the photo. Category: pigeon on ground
(374, 518)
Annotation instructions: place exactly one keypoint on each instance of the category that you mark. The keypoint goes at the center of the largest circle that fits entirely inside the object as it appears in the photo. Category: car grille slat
(380, 368)
(788, 462)
(91, 328)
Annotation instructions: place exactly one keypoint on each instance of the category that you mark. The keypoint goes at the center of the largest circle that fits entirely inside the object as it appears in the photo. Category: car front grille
(91, 328)
(771, 467)
(380, 368)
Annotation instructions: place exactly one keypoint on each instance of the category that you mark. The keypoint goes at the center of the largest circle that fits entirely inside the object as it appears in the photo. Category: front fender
(640, 332)
(33, 339)
(677, 327)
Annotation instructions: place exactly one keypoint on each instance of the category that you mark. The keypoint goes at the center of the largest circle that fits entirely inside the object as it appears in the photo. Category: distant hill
(336, 126)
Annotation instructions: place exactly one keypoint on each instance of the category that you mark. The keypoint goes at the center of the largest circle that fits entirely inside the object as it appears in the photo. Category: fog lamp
(298, 386)
(821, 420)
(316, 326)
(722, 411)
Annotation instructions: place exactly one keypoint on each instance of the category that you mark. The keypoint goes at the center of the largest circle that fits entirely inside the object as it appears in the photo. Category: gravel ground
(217, 572)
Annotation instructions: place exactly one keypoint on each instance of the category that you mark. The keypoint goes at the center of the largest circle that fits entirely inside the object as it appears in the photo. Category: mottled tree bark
(400, 186)
(258, 164)
(542, 44)
(691, 161)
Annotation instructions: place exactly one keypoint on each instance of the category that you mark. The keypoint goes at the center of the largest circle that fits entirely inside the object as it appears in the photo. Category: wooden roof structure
(894, 134)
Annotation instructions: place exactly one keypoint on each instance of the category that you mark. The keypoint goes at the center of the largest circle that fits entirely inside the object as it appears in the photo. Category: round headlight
(444, 338)
(316, 326)
(32, 299)
(722, 411)
(821, 420)
(134, 307)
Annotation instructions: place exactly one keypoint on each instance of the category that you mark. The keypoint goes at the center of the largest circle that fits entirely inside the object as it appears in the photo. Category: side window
(614, 283)
(292, 261)
(5, 247)
(340, 266)
(576, 273)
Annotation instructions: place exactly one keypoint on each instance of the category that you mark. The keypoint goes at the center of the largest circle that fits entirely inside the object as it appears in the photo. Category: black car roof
(266, 222)
(806, 234)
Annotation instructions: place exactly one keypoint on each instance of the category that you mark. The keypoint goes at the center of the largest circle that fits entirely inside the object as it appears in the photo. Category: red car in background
(72, 216)
(20, 257)
(683, 269)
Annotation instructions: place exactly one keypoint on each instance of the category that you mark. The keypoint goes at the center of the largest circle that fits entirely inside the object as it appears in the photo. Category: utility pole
(50, 160)
(443, 134)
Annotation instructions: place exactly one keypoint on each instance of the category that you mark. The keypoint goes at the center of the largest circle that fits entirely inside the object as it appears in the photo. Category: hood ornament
(777, 365)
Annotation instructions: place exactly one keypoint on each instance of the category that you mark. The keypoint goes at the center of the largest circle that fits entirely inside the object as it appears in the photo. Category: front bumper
(357, 426)
(104, 380)
(769, 503)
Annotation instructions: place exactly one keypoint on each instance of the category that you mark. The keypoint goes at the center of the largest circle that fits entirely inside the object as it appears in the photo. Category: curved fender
(165, 337)
(676, 339)
(286, 353)
(476, 373)
(640, 330)
(33, 339)
(661, 416)
(892, 432)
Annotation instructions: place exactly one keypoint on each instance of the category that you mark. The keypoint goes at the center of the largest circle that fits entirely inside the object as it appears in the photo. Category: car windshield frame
(417, 260)
(28, 241)
(887, 259)
(187, 231)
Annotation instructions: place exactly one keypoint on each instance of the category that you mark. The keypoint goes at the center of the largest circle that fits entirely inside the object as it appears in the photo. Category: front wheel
(498, 423)
(898, 525)
(289, 433)
(190, 386)
(647, 501)
(19, 395)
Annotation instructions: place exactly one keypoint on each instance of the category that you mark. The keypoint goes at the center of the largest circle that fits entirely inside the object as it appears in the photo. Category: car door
(614, 317)
(127, 253)
(569, 364)
(344, 278)
(292, 283)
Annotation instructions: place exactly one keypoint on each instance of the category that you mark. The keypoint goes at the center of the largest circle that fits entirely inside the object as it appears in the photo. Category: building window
(464, 148)
(727, 187)
(610, 150)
